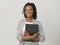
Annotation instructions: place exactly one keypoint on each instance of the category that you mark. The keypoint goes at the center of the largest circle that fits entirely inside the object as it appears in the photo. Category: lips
(28, 12)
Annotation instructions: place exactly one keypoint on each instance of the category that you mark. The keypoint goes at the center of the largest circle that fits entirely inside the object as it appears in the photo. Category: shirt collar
(33, 20)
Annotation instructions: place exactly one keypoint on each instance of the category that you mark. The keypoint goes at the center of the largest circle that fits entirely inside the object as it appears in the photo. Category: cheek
(29, 12)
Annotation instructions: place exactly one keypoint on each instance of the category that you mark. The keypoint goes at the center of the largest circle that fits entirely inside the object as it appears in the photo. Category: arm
(19, 34)
(26, 36)
(37, 39)
(41, 33)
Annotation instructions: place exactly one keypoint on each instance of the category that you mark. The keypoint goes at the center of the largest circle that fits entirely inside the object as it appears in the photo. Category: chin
(29, 15)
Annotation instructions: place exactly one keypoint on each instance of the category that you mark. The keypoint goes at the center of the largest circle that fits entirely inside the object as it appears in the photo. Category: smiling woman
(30, 8)
(30, 15)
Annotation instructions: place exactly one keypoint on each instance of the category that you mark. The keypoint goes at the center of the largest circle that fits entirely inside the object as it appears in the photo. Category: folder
(32, 29)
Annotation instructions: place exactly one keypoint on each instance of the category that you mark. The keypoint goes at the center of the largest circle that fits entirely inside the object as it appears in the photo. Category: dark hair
(34, 9)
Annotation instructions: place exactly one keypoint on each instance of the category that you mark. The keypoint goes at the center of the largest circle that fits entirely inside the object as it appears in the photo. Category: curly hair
(34, 9)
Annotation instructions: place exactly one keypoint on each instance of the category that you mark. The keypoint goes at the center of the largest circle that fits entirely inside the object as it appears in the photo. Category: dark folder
(32, 29)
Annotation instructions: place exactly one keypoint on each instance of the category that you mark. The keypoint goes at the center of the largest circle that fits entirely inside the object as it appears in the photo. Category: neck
(29, 19)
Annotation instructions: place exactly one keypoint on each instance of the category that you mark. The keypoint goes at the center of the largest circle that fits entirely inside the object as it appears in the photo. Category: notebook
(32, 29)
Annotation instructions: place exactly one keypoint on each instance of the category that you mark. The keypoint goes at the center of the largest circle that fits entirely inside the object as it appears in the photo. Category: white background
(48, 14)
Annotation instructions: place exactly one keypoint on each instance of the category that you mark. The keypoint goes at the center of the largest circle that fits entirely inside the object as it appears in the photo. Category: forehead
(28, 7)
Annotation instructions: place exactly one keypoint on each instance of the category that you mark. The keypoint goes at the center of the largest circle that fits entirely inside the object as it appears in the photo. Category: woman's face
(28, 11)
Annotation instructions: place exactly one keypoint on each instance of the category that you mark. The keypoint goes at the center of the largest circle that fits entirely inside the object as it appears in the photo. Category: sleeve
(41, 33)
(19, 34)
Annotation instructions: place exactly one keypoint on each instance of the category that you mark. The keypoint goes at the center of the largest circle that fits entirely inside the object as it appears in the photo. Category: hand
(37, 39)
(26, 33)
(26, 36)
(35, 35)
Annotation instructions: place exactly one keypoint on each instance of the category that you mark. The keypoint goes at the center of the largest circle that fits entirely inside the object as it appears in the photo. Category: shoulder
(37, 21)
(21, 20)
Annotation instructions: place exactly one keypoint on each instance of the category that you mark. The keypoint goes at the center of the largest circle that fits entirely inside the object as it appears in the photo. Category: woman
(30, 15)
